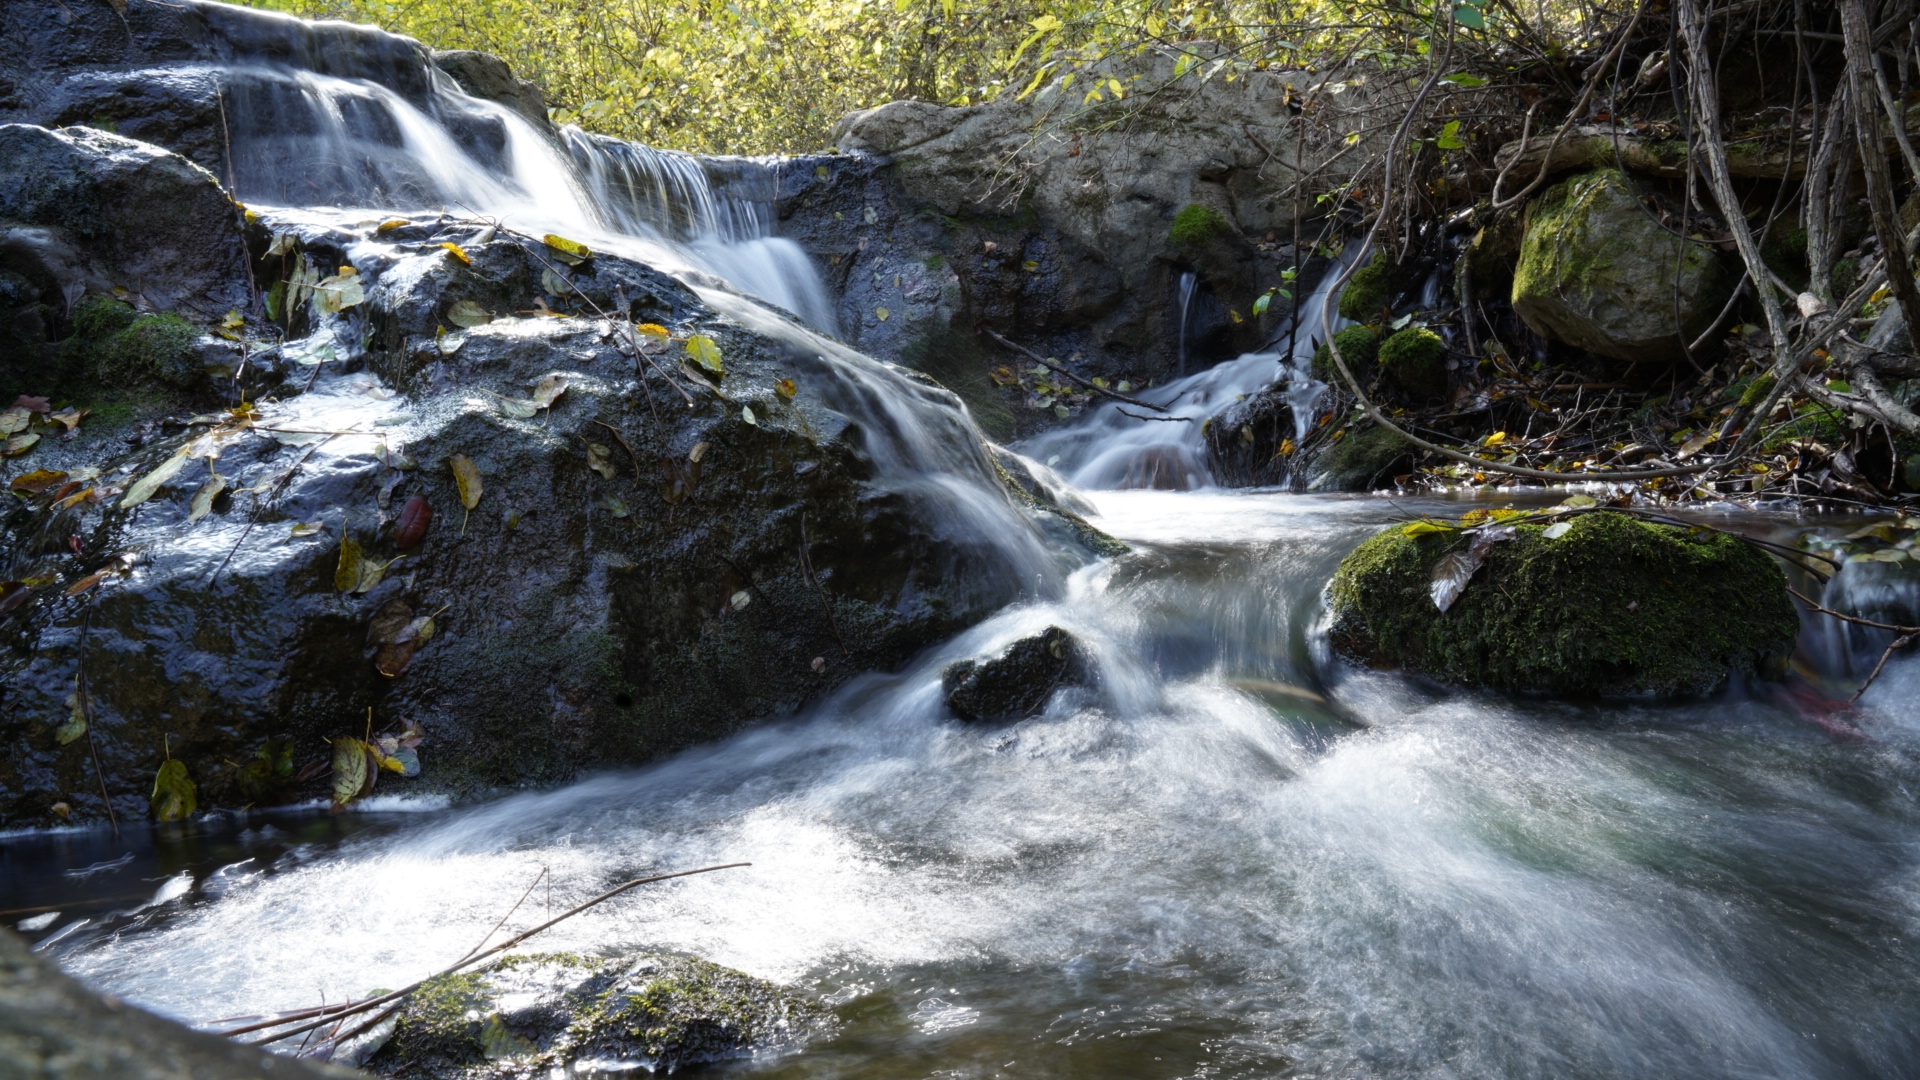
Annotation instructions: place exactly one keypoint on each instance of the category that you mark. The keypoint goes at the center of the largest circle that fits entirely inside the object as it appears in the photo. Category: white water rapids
(1236, 858)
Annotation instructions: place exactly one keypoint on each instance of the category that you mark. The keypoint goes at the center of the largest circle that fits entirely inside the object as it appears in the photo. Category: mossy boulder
(1359, 345)
(127, 349)
(1367, 292)
(1613, 607)
(1360, 460)
(529, 1015)
(1598, 271)
(1414, 361)
(1019, 681)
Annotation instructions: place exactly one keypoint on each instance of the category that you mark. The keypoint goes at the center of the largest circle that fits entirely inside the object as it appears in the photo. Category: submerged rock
(527, 1016)
(52, 1028)
(1018, 682)
(1598, 271)
(1613, 607)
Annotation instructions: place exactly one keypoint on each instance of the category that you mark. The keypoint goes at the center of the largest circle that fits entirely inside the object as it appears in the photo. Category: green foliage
(1359, 345)
(1196, 224)
(1614, 606)
(1414, 361)
(125, 348)
(1366, 294)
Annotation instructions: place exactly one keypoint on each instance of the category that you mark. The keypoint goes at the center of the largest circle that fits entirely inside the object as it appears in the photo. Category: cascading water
(1113, 448)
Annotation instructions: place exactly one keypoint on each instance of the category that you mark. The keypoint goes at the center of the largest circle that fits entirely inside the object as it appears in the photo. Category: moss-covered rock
(1359, 345)
(1614, 607)
(1361, 460)
(131, 350)
(1196, 224)
(1367, 292)
(527, 1015)
(1016, 683)
(1415, 364)
(1599, 272)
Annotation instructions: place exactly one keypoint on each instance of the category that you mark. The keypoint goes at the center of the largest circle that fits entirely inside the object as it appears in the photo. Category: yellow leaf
(233, 321)
(1495, 439)
(468, 479)
(457, 252)
(174, 796)
(1424, 528)
(785, 389)
(389, 225)
(351, 777)
(346, 575)
(702, 351)
(881, 314)
(143, 488)
(570, 252)
(653, 330)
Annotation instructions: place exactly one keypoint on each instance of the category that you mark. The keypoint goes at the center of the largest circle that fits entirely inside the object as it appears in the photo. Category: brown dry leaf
(389, 622)
(37, 481)
(32, 404)
(69, 418)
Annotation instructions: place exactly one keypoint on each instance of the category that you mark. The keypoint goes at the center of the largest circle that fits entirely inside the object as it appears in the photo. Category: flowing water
(1234, 857)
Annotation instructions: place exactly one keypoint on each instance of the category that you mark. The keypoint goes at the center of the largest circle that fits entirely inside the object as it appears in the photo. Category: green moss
(125, 348)
(1757, 390)
(1359, 345)
(1196, 224)
(1359, 461)
(1616, 606)
(1367, 293)
(1414, 361)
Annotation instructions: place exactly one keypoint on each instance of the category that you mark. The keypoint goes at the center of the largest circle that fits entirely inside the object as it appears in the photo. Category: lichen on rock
(1613, 607)
(527, 1015)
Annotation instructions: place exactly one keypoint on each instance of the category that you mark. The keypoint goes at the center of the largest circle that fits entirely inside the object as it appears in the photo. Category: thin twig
(1043, 361)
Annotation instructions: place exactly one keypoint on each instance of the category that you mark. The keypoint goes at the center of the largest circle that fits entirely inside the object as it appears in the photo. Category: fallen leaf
(143, 489)
(1556, 530)
(202, 503)
(384, 227)
(20, 444)
(372, 573)
(653, 330)
(77, 710)
(517, 408)
(458, 254)
(74, 498)
(411, 526)
(738, 601)
(1576, 502)
(747, 417)
(1452, 573)
(233, 321)
(548, 390)
(568, 251)
(69, 418)
(882, 314)
(88, 582)
(35, 404)
(174, 796)
(702, 351)
(14, 419)
(785, 389)
(37, 481)
(389, 622)
(600, 459)
(614, 506)
(698, 452)
(13, 594)
(346, 575)
(1881, 531)
(553, 283)
(468, 479)
(284, 243)
(1426, 528)
(351, 776)
(468, 313)
(306, 528)
(339, 292)
(1695, 444)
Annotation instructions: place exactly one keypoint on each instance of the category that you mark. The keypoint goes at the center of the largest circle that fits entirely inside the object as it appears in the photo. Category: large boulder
(1609, 606)
(652, 558)
(52, 1028)
(532, 1015)
(1597, 270)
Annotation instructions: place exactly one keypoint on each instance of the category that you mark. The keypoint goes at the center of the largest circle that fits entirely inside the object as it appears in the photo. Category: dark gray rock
(52, 1028)
(528, 1015)
(1019, 681)
(488, 77)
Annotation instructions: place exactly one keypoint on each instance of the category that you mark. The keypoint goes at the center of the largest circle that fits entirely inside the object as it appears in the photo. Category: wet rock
(527, 1016)
(1599, 272)
(146, 220)
(488, 77)
(1614, 607)
(583, 620)
(1363, 459)
(1063, 508)
(52, 1028)
(1018, 682)
(1251, 442)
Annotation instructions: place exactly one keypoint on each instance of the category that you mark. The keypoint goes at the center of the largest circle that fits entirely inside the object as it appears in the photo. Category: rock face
(1597, 271)
(52, 1028)
(1614, 607)
(1018, 682)
(528, 1015)
(641, 571)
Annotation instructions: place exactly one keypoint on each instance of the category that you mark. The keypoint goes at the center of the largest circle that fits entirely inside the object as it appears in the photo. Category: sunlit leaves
(143, 488)
(174, 795)
(467, 477)
(702, 351)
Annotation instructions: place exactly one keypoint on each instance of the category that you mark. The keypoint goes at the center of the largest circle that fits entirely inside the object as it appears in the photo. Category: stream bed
(1238, 857)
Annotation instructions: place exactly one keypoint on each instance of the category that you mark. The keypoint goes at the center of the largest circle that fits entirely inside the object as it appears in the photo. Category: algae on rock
(526, 1015)
(1614, 607)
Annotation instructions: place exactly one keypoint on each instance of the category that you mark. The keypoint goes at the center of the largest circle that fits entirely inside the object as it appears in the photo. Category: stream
(1235, 856)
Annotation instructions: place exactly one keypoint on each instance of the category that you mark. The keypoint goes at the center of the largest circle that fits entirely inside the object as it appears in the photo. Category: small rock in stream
(1017, 683)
